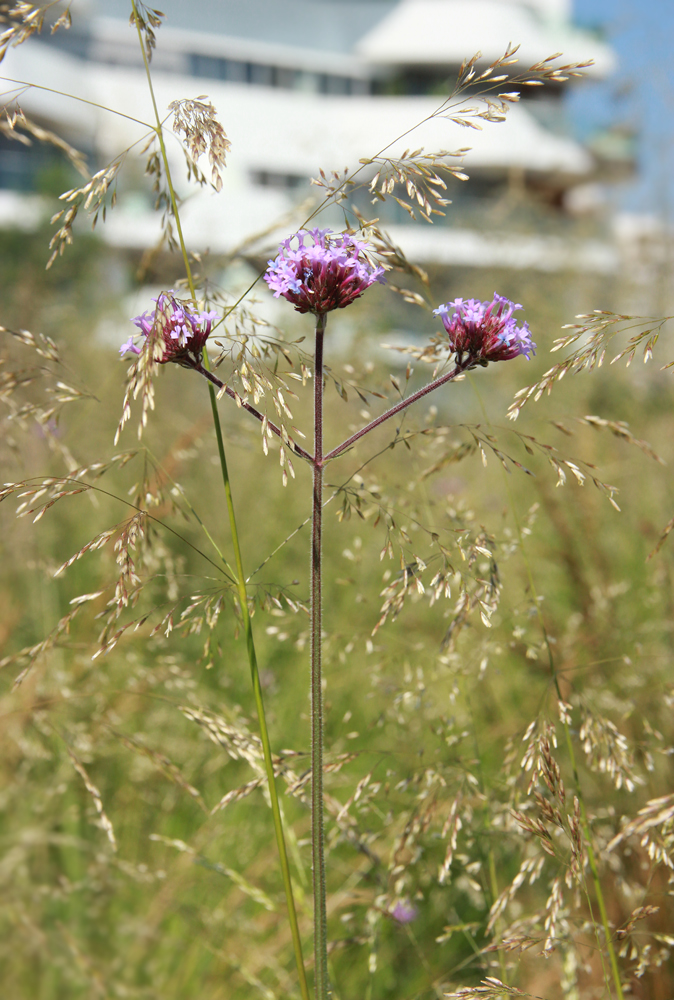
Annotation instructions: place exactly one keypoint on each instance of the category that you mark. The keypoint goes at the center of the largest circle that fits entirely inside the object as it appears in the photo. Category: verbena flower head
(486, 331)
(180, 331)
(328, 274)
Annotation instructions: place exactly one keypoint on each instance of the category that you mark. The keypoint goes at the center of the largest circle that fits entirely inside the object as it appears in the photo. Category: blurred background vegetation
(190, 903)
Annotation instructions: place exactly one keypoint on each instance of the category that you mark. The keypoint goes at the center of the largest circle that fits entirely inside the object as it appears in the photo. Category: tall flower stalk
(330, 274)
(316, 630)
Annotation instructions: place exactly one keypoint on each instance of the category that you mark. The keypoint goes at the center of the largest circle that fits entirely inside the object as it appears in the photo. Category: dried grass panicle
(19, 127)
(253, 357)
(27, 657)
(662, 539)
(25, 19)
(620, 429)
(529, 871)
(541, 740)
(654, 824)
(146, 18)
(392, 255)
(475, 592)
(96, 796)
(130, 538)
(484, 440)
(243, 884)
(203, 133)
(95, 196)
(475, 575)
(643, 947)
(450, 832)
(164, 195)
(240, 744)
(141, 374)
(237, 794)
(554, 924)
(50, 375)
(235, 738)
(489, 86)
(162, 762)
(608, 751)
(419, 174)
(490, 989)
(596, 331)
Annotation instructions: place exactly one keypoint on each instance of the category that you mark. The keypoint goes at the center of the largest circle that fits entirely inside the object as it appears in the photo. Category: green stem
(240, 575)
(259, 704)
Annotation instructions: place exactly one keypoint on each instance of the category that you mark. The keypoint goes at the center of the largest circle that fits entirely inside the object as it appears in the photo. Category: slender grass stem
(259, 704)
(240, 575)
(321, 984)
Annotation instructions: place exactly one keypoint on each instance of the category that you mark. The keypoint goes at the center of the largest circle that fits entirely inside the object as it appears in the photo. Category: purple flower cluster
(181, 331)
(324, 276)
(486, 331)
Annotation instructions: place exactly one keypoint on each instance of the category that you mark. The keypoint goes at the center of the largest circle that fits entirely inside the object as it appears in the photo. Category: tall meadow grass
(497, 648)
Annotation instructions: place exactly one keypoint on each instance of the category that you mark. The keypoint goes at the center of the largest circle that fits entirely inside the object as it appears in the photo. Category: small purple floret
(404, 912)
(180, 330)
(129, 346)
(486, 331)
(324, 276)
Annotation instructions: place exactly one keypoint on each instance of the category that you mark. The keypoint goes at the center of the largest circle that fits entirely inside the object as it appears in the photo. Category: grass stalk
(240, 575)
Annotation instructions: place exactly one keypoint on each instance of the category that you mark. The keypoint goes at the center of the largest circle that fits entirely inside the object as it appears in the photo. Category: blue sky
(640, 94)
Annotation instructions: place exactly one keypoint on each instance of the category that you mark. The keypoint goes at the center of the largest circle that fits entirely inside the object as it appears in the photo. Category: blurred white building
(302, 85)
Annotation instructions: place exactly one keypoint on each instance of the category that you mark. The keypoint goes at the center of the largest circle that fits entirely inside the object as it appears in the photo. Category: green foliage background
(190, 905)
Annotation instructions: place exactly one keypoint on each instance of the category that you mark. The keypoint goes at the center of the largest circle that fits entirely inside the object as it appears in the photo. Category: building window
(31, 168)
(331, 84)
(263, 75)
(233, 70)
(276, 180)
(287, 79)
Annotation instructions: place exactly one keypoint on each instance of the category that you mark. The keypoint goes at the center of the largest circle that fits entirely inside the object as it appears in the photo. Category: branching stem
(240, 401)
(398, 408)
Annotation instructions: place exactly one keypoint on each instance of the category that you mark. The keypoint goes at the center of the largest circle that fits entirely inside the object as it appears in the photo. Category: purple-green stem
(297, 449)
(398, 408)
(240, 401)
(321, 984)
